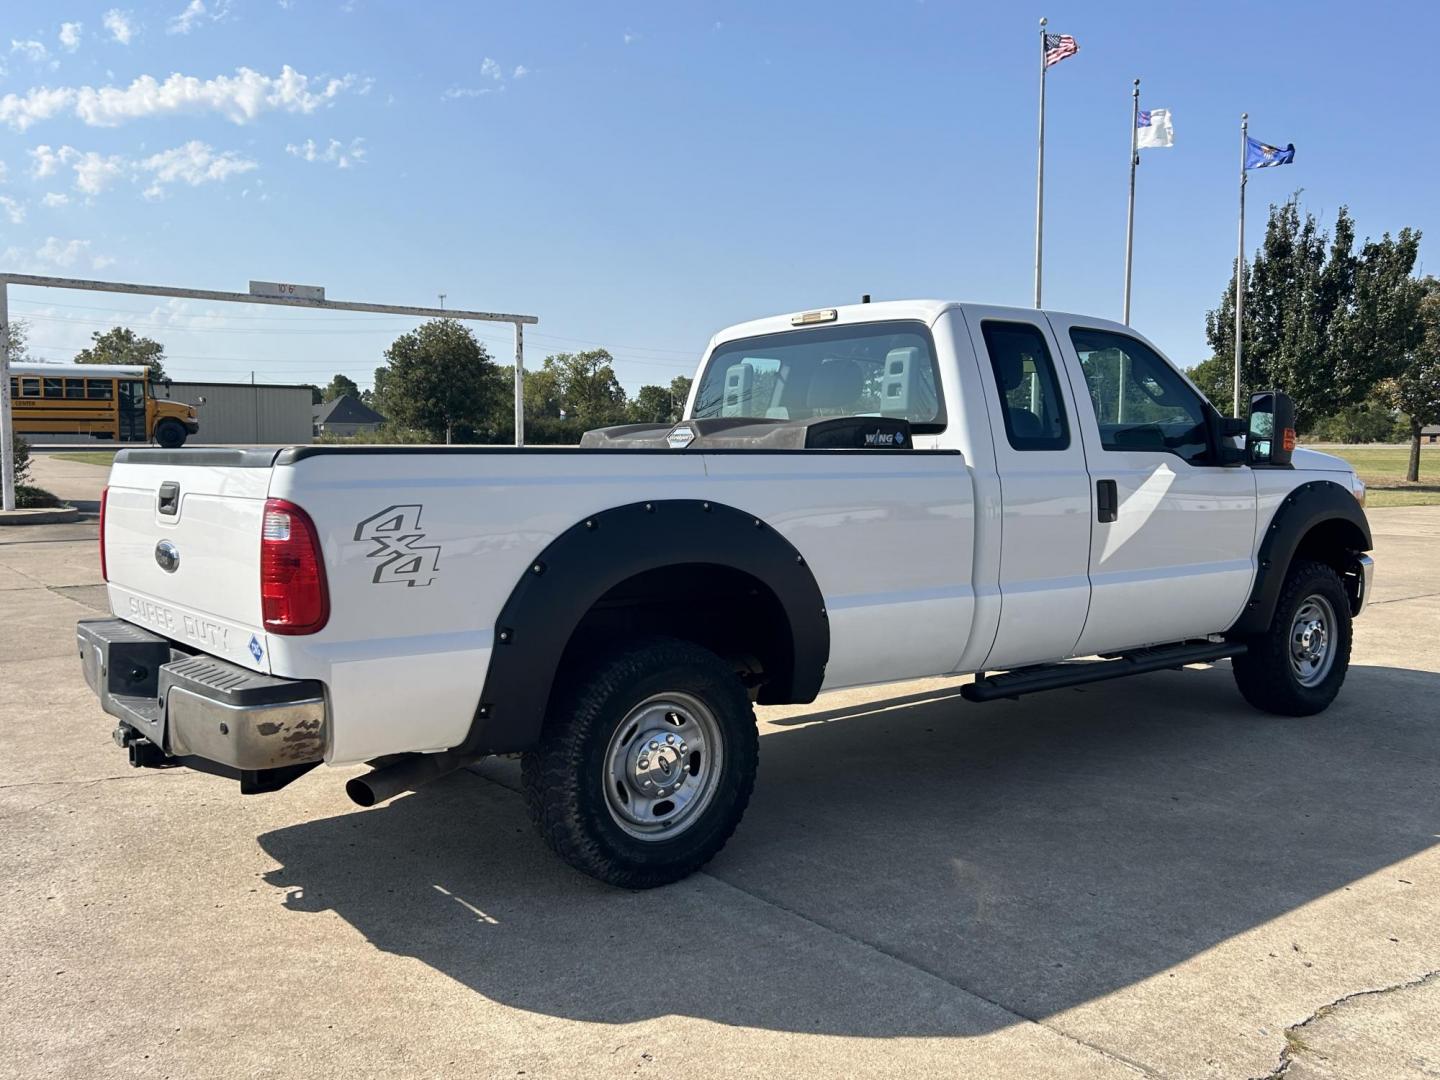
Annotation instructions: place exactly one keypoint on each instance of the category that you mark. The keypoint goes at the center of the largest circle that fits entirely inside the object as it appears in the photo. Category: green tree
(121, 345)
(580, 386)
(1216, 379)
(655, 405)
(1322, 322)
(1415, 390)
(340, 386)
(438, 378)
(680, 391)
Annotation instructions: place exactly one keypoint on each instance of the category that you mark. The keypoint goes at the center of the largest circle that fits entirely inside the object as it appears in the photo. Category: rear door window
(1030, 402)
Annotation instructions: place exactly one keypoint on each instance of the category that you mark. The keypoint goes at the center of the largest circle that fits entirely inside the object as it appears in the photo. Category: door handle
(1107, 501)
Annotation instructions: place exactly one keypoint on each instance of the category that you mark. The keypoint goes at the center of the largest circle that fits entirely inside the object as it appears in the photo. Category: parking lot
(1144, 878)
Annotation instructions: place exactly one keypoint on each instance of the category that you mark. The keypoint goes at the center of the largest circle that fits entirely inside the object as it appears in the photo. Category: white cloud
(335, 152)
(195, 13)
(187, 19)
(55, 198)
(195, 163)
(457, 92)
(70, 35)
(95, 172)
(61, 253)
(489, 69)
(34, 51)
(48, 161)
(14, 211)
(119, 24)
(240, 98)
(631, 37)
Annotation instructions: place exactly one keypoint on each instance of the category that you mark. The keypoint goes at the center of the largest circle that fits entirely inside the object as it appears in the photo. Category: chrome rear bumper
(192, 709)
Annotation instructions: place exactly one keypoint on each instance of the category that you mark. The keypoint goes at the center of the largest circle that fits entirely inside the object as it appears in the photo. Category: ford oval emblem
(168, 556)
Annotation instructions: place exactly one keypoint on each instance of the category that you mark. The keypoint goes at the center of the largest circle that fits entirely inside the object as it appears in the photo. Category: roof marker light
(806, 318)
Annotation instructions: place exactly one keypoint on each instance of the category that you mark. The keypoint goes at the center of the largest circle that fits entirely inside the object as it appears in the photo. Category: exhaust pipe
(408, 773)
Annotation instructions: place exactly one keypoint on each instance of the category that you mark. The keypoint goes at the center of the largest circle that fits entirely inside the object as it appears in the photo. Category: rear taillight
(104, 494)
(293, 597)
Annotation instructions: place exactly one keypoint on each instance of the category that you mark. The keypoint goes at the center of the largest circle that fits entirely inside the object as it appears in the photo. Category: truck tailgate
(182, 548)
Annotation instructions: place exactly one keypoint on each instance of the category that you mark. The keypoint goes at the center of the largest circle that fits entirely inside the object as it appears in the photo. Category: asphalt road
(1145, 878)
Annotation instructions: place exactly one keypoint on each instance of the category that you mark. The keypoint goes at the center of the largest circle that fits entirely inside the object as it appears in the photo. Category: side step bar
(1028, 680)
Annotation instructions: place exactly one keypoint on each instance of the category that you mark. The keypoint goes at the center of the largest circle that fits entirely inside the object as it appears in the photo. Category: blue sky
(639, 175)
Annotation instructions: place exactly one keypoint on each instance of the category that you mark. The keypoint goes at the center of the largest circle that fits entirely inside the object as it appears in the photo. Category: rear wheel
(170, 434)
(1296, 667)
(645, 765)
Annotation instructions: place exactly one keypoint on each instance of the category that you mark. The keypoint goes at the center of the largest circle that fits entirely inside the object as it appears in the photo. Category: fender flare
(590, 558)
(1311, 504)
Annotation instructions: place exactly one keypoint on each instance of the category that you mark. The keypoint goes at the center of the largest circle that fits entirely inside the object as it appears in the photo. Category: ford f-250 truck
(857, 495)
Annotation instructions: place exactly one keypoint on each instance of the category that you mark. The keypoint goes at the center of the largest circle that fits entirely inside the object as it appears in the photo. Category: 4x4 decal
(395, 532)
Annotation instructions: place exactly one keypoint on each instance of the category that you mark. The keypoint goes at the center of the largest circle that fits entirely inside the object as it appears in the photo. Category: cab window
(861, 369)
(1141, 403)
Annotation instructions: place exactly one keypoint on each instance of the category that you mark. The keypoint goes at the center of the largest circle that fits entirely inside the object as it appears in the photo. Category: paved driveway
(1144, 878)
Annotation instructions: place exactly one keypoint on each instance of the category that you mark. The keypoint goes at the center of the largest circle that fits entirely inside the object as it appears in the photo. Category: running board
(1011, 684)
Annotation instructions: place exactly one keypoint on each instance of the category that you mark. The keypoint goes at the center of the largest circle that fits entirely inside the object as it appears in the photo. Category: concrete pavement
(1145, 878)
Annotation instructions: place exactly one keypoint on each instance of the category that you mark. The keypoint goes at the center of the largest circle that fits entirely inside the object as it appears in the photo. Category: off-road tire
(1264, 673)
(170, 434)
(564, 778)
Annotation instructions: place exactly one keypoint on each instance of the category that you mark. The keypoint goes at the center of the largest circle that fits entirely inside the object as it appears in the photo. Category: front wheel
(170, 434)
(1296, 667)
(645, 764)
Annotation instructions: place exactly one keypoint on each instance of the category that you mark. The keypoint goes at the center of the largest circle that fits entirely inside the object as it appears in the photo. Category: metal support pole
(519, 384)
(7, 421)
(1240, 265)
(1130, 213)
(1040, 172)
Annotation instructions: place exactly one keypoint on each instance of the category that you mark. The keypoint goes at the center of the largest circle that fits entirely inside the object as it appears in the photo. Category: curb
(40, 515)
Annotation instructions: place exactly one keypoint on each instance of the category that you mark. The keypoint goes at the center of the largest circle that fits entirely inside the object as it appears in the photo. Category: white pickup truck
(857, 495)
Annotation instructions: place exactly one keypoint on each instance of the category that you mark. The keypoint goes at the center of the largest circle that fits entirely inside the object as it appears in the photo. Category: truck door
(1173, 531)
(1045, 487)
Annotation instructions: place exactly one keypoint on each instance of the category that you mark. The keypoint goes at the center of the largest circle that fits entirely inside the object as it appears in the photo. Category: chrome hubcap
(662, 766)
(1312, 652)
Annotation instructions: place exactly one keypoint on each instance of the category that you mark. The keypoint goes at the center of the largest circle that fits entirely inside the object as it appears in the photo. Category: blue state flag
(1259, 155)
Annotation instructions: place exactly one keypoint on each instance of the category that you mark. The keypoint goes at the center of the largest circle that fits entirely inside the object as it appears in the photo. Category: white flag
(1153, 129)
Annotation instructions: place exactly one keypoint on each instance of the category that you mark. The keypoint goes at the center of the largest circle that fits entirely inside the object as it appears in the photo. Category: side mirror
(1271, 432)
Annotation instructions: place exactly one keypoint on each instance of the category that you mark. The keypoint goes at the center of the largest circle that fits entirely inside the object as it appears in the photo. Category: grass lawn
(90, 457)
(1383, 467)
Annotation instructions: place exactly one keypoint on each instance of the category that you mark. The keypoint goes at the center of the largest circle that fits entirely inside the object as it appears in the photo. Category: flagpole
(1130, 214)
(1240, 264)
(1040, 171)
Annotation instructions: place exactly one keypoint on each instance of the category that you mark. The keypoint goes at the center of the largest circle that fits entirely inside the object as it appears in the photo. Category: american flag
(1058, 47)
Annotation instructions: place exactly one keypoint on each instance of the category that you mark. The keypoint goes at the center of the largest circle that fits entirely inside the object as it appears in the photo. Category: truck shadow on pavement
(1039, 854)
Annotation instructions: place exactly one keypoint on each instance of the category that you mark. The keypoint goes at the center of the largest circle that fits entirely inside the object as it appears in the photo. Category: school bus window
(14, 387)
(29, 387)
(54, 388)
(74, 388)
(98, 389)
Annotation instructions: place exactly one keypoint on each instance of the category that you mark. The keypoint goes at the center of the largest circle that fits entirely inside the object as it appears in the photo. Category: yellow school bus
(109, 401)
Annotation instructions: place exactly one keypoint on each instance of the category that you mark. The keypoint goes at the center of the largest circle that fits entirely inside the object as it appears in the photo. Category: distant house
(346, 415)
(1431, 433)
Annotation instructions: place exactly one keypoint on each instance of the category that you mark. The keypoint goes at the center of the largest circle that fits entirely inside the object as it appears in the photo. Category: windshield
(866, 369)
